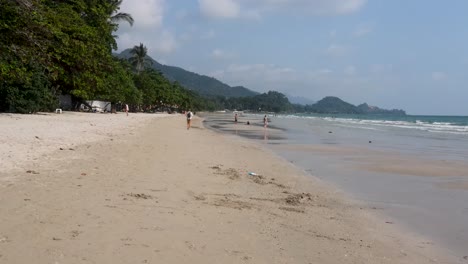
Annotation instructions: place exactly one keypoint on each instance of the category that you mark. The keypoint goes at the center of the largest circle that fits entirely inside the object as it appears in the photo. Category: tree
(139, 59)
(117, 16)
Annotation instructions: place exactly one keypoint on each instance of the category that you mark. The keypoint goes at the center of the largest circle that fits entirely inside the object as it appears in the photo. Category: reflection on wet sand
(453, 185)
(386, 161)
(254, 129)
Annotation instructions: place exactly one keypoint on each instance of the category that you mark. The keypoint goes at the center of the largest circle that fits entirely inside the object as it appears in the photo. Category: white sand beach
(102, 188)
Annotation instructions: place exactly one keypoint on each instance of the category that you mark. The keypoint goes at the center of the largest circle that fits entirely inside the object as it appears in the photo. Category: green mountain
(367, 109)
(202, 84)
(239, 97)
(334, 105)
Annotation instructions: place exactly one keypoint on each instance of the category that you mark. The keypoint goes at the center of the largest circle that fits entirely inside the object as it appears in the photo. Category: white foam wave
(438, 127)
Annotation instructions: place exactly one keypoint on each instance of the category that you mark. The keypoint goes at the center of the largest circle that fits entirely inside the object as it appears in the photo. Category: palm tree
(139, 58)
(118, 16)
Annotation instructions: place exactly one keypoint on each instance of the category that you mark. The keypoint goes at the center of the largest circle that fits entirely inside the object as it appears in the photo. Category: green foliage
(366, 109)
(268, 102)
(118, 16)
(51, 47)
(139, 59)
(69, 41)
(333, 105)
(70, 44)
(118, 85)
(33, 96)
(159, 93)
(203, 85)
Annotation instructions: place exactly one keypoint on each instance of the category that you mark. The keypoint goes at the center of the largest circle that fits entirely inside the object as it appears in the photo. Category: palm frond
(122, 17)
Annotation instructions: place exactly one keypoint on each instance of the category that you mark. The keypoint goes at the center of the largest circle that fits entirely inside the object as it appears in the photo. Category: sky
(410, 55)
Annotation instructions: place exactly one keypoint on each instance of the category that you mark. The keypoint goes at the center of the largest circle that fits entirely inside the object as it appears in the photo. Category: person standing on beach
(189, 119)
(265, 121)
(235, 118)
(126, 109)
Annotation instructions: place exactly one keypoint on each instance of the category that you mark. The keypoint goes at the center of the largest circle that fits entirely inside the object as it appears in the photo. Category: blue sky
(390, 53)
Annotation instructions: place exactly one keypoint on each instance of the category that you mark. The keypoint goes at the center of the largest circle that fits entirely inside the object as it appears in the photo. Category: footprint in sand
(140, 196)
(292, 209)
(233, 174)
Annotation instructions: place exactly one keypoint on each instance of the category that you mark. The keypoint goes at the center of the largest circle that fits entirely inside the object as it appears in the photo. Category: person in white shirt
(189, 119)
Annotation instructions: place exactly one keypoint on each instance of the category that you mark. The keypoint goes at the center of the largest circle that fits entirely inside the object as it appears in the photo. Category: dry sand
(146, 190)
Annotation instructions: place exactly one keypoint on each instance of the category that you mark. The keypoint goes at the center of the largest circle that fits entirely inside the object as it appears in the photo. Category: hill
(334, 105)
(224, 96)
(299, 100)
(202, 84)
(367, 109)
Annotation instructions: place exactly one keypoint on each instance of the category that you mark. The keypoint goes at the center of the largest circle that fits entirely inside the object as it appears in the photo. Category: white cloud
(336, 50)
(208, 35)
(185, 37)
(345, 6)
(322, 72)
(318, 74)
(381, 68)
(319, 7)
(166, 42)
(182, 14)
(363, 30)
(219, 8)
(255, 8)
(125, 41)
(439, 76)
(147, 13)
(350, 70)
(148, 28)
(248, 74)
(221, 54)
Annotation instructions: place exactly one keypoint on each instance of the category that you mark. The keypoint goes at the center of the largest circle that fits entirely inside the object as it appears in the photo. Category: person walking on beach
(265, 121)
(189, 119)
(235, 118)
(126, 109)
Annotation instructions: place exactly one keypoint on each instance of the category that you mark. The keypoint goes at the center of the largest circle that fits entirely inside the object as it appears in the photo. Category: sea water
(411, 169)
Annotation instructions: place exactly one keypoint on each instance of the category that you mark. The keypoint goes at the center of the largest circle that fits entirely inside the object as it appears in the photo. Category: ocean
(413, 170)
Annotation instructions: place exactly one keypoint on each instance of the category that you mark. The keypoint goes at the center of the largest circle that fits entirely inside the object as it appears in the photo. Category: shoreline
(122, 200)
(348, 168)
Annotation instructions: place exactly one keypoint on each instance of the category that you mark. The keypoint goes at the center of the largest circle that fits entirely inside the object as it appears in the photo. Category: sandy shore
(90, 188)
(26, 138)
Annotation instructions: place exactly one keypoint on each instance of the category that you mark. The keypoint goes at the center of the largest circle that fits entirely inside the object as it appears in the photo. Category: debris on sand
(140, 196)
(292, 209)
(258, 179)
(297, 199)
(199, 197)
(232, 173)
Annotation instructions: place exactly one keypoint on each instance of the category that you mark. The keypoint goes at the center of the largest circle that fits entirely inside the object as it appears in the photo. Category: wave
(419, 124)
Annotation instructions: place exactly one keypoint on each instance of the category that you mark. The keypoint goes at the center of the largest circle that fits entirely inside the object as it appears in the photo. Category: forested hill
(204, 85)
(334, 105)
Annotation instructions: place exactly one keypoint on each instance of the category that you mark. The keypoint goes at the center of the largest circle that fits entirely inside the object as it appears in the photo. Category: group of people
(265, 120)
(189, 116)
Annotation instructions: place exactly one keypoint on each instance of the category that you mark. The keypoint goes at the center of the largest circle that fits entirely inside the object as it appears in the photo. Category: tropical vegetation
(51, 47)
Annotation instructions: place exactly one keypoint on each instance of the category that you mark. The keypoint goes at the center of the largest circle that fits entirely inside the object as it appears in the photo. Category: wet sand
(419, 193)
(158, 193)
